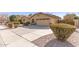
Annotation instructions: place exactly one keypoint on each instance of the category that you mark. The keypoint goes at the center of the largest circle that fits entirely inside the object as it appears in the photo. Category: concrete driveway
(22, 36)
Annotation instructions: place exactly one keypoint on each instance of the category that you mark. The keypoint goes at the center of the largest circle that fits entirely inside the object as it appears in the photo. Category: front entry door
(33, 22)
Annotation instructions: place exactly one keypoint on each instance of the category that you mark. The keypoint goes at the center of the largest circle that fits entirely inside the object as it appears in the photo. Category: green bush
(26, 24)
(12, 18)
(62, 31)
(20, 21)
(12, 24)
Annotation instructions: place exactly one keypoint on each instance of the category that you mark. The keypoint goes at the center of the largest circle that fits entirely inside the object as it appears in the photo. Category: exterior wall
(18, 17)
(76, 23)
(68, 17)
(3, 19)
(72, 17)
(41, 19)
(25, 19)
(22, 18)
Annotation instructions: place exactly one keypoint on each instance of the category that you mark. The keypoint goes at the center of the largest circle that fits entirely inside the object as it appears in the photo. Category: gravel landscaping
(51, 41)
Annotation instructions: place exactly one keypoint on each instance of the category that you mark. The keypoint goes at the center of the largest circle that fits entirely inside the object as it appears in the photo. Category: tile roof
(46, 14)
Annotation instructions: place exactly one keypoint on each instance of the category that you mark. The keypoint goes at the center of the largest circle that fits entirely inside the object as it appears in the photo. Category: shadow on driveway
(51, 41)
(36, 27)
(57, 43)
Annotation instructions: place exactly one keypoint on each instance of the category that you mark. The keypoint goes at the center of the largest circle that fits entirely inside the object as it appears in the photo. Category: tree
(70, 14)
(77, 17)
(30, 14)
(12, 18)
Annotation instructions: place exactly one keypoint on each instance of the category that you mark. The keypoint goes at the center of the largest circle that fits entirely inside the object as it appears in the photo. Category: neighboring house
(43, 19)
(69, 16)
(38, 19)
(25, 19)
(22, 18)
(18, 17)
(3, 19)
(74, 18)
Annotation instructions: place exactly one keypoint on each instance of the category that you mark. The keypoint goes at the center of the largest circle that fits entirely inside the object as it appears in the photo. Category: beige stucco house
(74, 18)
(76, 23)
(69, 16)
(43, 19)
(25, 19)
(3, 19)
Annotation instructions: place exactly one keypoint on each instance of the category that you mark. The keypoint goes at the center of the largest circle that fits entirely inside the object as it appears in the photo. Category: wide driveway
(22, 36)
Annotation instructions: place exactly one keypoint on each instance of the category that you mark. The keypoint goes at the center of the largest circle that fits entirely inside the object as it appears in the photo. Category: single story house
(25, 19)
(3, 19)
(43, 19)
(74, 18)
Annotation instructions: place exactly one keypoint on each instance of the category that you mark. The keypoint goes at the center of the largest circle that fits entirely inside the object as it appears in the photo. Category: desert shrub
(16, 23)
(26, 24)
(10, 24)
(20, 21)
(59, 21)
(62, 31)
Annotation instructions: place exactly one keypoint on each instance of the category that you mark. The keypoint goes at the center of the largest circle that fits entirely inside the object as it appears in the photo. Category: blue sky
(61, 14)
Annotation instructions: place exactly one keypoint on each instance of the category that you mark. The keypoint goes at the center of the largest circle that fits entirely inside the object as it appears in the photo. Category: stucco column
(77, 23)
